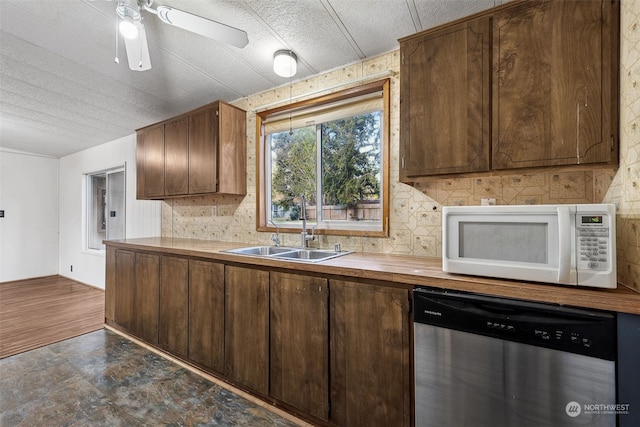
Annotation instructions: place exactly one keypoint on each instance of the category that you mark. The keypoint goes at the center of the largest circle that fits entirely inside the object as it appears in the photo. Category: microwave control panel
(593, 241)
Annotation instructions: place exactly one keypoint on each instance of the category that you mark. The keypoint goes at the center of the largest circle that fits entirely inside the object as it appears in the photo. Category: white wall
(142, 217)
(29, 230)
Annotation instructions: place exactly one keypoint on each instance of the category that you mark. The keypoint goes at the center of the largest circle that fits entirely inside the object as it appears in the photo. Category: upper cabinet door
(232, 149)
(203, 150)
(548, 66)
(444, 101)
(176, 143)
(150, 162)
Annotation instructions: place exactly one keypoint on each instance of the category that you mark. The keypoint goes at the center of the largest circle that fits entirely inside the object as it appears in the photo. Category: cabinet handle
(578, 132)
(586, 96)
(402, 162)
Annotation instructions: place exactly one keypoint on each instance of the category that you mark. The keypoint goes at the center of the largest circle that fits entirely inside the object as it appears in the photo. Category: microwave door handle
(564, 245)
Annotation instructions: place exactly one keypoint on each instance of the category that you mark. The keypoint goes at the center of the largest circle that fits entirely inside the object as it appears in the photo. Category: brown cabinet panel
(445, 113)
(125, 281)
(203, 148)
(200, 152)
(176, 146)
(247, 327)
(299, 328)
(232, 150)
(172, 324)
(370, 380)
(206, 314)
(151, 163)
(110, 285)
(548, 85)
(147, 276)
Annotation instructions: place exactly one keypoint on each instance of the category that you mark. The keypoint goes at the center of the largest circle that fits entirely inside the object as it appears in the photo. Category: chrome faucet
(304, 236)
(275, 238)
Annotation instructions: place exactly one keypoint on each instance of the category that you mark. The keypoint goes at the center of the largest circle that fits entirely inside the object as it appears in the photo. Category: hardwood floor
(37, 312)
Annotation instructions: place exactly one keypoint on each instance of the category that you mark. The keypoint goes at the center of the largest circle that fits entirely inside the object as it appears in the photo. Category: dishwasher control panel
(575, 330)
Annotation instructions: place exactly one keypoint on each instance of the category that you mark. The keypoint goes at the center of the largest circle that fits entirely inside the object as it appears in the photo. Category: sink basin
(291, 254)
(309, 255)
(260, 250)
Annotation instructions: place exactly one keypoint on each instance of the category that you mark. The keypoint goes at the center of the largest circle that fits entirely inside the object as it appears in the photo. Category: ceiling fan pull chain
(140, 63)
(117, 61)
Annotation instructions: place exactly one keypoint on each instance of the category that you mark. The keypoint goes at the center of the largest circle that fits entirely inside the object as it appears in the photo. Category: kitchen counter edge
(398, 270)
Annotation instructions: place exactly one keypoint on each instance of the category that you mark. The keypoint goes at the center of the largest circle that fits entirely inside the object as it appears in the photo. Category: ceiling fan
(135, 39)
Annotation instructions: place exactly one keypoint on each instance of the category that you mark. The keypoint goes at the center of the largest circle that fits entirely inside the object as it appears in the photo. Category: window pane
(334, 150)
(97, 219)
(293, 172)
(351, 168)
(115, 201)
(105, 207)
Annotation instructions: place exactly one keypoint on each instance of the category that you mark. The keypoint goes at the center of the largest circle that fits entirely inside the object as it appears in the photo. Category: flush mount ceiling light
(285, 63)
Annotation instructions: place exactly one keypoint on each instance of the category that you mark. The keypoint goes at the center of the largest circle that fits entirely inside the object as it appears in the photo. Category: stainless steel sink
(309, 255)
(260, 250)
(287, 253)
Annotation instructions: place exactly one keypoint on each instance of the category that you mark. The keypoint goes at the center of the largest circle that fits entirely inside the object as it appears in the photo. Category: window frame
(262, 157)
(89, 208)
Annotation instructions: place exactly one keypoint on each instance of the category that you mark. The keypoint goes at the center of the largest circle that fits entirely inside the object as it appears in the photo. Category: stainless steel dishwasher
(485, 361)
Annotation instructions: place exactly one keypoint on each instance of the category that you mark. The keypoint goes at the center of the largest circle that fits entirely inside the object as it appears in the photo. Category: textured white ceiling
(62, 92)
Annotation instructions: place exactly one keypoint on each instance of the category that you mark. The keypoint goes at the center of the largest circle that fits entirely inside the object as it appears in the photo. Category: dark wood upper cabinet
(526, 84)
(150, 160)
(444, 101)
(200, 152)
(299, 330)
(552, 95)
(176, 179)
(203, 149)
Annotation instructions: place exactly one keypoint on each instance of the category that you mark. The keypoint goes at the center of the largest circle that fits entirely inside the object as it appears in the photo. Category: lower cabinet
(299, 325)
(125, 280)
(370, 379)
(146, 296)
(172, 321)
(246, 324)
(335, 351)
(206, 314)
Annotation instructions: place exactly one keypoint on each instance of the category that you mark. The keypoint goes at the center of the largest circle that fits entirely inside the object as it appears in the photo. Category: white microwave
(563, 244)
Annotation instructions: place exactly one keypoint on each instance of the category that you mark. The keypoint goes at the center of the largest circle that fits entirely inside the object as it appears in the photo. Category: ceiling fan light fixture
(285, 63)
(128, 28)
(129, 13)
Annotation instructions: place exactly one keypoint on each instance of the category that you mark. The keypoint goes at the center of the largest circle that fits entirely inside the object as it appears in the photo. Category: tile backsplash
(415, 211)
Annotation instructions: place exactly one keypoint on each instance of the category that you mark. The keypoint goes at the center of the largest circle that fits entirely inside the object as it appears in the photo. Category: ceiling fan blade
(203, 26)
(138, 51)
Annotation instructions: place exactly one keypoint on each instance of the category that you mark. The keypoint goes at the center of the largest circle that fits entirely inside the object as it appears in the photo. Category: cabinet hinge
(217, 112)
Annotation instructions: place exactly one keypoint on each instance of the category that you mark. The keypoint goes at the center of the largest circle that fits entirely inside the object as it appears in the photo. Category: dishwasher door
(464, 379)
(496, 362)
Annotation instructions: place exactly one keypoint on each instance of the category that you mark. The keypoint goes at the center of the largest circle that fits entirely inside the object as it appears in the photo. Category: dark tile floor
(103, 379)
